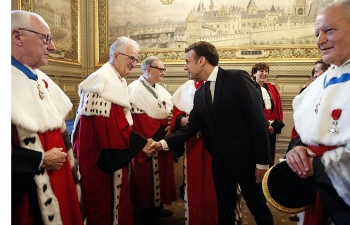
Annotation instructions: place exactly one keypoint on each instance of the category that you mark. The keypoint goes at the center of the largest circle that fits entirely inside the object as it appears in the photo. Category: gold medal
(41, 94)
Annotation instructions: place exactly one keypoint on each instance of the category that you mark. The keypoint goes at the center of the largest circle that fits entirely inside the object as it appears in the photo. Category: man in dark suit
(228, 112)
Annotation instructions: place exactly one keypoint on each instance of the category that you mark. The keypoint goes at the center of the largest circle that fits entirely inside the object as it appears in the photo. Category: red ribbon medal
(335, 115)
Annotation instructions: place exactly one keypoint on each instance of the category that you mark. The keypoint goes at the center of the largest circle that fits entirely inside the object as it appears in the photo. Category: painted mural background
(222, 22)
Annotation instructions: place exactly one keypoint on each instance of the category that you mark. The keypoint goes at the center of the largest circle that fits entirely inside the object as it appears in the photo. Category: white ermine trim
(50, 210)
(31, 112)
(49, 207)
(187, 215)
(142, 101)
(156, 186)
(71, 158)
(117, 184)
(183, 97)
(94, 105)
(63, 127)
(336, 163)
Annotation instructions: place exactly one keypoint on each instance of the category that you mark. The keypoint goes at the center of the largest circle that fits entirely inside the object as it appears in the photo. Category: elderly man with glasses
(152, 179)
(44, 173)
(103, 138)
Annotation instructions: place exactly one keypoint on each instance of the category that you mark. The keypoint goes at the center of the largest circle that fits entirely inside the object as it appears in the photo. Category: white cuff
(42, 161)
(262, 167)
(164, 145)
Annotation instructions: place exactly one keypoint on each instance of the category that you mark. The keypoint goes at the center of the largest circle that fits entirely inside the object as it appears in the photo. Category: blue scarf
(24, 69)
(335, 80)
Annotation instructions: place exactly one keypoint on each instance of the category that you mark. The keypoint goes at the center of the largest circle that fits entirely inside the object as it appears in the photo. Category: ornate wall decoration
(166, 2)
(65, 27)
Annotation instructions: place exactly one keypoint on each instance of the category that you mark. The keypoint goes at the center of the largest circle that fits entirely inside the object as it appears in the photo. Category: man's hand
(147, 150)
(156, 145)
(271, 130)
(184, 120)
(54, 159)
(259, 175)
(310, 173)
(300, 159)
(168, 131)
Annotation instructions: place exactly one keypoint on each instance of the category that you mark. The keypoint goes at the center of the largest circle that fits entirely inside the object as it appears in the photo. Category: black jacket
(234, 128)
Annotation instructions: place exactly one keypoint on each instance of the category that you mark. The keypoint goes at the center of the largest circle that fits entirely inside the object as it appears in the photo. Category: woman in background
(271, 102)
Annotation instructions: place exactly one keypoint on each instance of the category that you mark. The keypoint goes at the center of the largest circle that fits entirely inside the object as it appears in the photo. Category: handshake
(151, 147)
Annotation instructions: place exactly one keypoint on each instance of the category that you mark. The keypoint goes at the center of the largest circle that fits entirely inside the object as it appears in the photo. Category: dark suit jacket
(234, 128)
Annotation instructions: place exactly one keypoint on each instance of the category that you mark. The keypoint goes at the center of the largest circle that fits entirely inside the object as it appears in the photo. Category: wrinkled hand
(54, 159)
(310, 173)
(156, 145)
(259, 175)
(271, 130)
(147, 150)
(168, 131)
(300, 160)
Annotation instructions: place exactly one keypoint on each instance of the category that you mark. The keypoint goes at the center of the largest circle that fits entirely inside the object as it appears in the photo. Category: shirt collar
(213, 74)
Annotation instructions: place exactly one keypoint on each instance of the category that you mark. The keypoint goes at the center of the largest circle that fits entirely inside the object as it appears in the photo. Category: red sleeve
(96, 133)
(176, 113)
(113, 131)
(278, 111)
(294, 134)
(145, 125)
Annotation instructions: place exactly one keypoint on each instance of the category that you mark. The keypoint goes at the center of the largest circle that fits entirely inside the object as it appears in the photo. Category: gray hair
(120, 45)
(24, 19)
(148, 62)
(343, 4)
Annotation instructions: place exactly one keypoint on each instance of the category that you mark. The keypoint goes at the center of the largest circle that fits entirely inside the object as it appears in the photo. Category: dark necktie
(208, 93)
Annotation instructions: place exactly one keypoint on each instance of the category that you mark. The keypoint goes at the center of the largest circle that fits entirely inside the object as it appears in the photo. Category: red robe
(141, 179)
(200, 196)
(92, 135)
(152, 179)
(276, 113)
(37, 126)
(103, 141)
(62, 184)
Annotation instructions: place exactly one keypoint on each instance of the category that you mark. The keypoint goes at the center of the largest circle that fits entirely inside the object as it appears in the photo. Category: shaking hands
(151, 147)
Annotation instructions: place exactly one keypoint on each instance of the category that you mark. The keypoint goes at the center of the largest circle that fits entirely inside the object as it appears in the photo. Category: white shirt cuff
(42, 161)
(164, 145)
(262, 167)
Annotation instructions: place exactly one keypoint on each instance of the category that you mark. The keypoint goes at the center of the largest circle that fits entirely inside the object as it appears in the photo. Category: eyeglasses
(47, 36)
(160, 69)
(132, 58)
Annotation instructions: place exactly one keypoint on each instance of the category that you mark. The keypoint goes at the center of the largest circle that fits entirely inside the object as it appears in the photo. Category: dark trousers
(273, 147)
(226, 186)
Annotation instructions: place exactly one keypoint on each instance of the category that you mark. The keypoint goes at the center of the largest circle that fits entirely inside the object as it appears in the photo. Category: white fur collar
(107, 83)
(183, 97)
(314, 127)
(336, 165)
(143, 101)
(29, 111)
(108, 87)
